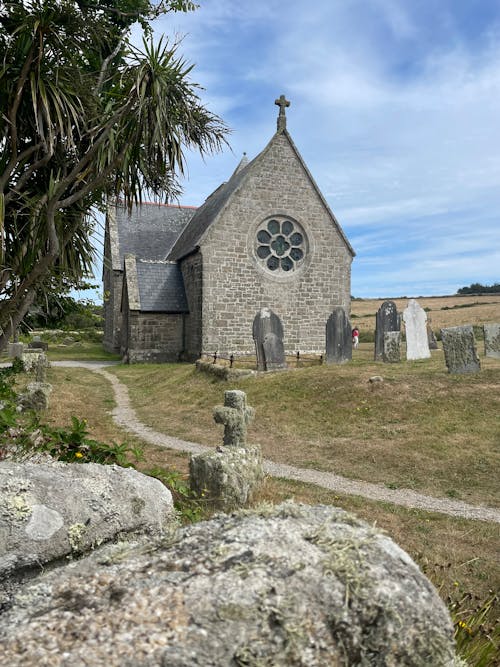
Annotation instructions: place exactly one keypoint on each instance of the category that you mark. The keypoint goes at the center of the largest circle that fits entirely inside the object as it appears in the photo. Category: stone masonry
(304, 300)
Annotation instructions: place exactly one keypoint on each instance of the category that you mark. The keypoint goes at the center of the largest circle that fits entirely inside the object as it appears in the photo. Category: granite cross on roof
(282, 102)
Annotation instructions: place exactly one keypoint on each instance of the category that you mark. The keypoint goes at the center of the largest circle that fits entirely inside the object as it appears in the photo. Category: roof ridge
(153, 203)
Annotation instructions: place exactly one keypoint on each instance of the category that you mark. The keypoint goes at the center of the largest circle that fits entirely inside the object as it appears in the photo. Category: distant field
(442, 311)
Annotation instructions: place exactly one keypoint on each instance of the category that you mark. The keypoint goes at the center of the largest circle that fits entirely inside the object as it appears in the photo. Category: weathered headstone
(387, 319)
(492, 340)
(392, 347)
(431, 339)
(338, 337)
(274, 352)
(235, 415)
(228, 476)
(38, 345)
(460, 349)
(415, 319)
(268, 337)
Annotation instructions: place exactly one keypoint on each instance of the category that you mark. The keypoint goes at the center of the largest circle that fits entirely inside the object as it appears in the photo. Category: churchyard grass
(80, 351)
(421, 428)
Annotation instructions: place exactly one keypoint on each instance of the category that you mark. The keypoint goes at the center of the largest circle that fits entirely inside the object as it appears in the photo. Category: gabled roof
(149, 231)
(203, 218)
(155, 286)
(207, 213)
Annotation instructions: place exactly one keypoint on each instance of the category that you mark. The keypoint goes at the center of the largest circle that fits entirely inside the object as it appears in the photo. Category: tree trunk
(16, 318)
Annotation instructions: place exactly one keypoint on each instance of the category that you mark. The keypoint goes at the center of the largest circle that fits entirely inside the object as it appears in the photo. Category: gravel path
(125, 416)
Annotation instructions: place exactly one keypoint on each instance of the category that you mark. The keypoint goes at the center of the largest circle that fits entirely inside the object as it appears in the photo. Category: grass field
(442, 311)
(421, 428)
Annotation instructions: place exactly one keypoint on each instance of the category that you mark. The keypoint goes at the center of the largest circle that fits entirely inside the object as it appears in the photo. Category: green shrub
(188, 504)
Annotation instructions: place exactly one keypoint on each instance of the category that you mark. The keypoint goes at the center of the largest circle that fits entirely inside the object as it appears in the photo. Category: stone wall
(236, 285)
(154, 337)
(192, 268)
(113, 283)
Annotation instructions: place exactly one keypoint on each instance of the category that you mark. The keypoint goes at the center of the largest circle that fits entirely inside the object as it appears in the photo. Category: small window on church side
(280, 246)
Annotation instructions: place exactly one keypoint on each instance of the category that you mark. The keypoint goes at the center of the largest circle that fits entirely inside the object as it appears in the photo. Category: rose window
(280, 245)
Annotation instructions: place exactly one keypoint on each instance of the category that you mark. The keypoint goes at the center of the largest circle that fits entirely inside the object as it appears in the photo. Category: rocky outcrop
(286, 586)
(52, 510)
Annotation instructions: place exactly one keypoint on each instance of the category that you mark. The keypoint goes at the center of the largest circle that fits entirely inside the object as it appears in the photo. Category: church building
(180, 282)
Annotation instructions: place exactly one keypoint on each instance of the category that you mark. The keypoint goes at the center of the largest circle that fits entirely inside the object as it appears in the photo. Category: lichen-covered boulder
(289, 586)
(36, 397)
(227, 477)
(51, 510)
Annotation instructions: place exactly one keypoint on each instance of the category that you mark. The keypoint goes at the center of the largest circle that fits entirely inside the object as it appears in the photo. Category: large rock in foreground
(51, 510)
(289, 586)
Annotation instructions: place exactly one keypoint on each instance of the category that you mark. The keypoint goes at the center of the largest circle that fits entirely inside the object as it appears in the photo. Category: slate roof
(206, 214)
(150, 231)
(161, 287)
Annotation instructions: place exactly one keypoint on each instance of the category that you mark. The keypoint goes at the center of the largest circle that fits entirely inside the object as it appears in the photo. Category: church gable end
(273, 244)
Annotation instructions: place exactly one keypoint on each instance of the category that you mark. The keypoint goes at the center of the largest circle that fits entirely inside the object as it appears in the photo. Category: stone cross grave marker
(268, 337)
(460, 349)
(392, 347)
(235, 414)
(417, 343)
(338, 337)
(492, 340)
(387, 319)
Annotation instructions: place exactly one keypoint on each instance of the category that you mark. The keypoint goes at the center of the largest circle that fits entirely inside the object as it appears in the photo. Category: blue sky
(395, 108)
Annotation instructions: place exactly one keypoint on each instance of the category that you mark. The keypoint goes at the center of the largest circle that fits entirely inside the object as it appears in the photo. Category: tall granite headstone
(392, 347)
(387, 319)
(268, 337)
(492, 340)
(459, 349)
(415, 319)
(338, 337)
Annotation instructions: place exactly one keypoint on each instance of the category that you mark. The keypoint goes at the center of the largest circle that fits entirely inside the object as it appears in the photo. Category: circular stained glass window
(280, 245)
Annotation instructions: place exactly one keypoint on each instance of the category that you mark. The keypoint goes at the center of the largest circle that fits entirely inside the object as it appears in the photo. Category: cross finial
(282, 102)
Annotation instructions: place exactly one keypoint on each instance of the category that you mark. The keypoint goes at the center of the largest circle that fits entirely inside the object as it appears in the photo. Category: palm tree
(84, 115)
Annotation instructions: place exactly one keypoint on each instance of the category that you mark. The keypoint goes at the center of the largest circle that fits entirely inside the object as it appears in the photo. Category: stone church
(181, 281)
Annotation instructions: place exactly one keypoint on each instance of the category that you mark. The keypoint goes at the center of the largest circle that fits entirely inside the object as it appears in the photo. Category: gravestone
(415, 319)
(392, 347)
(338, 337)
(235, 415)
(387, 319)
(460, 349)
(38, 345)
(227, 477)
(492, 340)
(431, 339)
(268, 337)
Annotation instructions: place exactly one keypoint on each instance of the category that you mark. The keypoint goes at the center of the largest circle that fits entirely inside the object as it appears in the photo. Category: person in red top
(355, 337)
